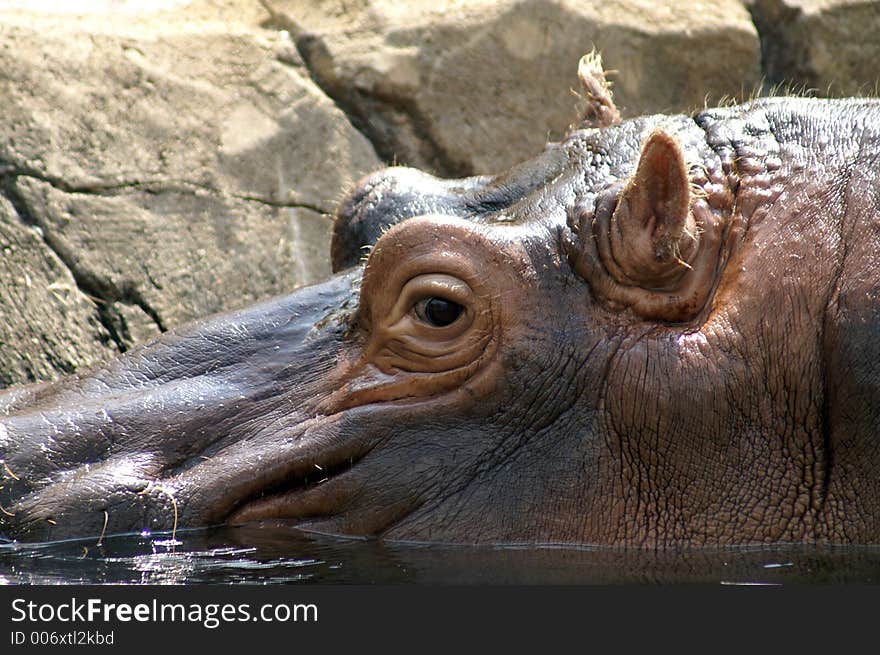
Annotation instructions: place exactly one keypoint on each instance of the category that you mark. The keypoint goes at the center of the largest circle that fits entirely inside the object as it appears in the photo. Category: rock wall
(825, 47)
(155, 168)
(160, 161)
(475, 87)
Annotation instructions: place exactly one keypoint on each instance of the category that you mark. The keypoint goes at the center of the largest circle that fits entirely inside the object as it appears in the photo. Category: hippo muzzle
(187, 430)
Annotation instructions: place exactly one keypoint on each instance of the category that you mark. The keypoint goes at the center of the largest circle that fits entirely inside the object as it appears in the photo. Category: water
(277, 554)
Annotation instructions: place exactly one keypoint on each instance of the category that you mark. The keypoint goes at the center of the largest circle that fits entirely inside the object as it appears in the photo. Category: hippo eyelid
(424, 287)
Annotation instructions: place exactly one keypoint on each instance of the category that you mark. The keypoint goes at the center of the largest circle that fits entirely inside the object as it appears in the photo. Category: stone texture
(175, 163)
(829, 47)
(47, 325)
(474, 87)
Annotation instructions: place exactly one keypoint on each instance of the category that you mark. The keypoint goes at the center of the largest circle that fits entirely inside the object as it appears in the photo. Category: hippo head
(622, 341)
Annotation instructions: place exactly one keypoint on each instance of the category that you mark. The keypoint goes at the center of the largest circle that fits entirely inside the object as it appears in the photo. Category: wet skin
(658, 332)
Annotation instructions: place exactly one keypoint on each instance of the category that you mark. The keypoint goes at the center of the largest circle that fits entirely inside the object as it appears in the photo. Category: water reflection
(272, 554)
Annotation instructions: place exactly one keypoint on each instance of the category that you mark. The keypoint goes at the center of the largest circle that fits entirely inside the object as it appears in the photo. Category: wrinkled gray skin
(751, 420)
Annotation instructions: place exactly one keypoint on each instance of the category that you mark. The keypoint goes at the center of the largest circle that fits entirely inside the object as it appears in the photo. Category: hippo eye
(438, 312)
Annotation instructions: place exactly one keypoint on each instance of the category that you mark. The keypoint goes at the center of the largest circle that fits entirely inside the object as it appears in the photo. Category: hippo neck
(794, 171)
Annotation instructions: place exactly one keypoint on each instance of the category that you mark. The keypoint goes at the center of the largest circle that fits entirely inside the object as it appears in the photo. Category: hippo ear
(652, 231)
(649, 248)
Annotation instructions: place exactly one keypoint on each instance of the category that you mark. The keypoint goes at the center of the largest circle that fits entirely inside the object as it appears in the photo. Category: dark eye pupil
(442, 312)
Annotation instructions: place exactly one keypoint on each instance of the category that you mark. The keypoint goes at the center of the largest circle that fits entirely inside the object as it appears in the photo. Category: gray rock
(47, 325)
(474, 87)
(158, 167)
(829, 47)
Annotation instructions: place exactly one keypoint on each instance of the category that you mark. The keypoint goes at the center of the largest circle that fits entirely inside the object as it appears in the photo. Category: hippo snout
(181, 431)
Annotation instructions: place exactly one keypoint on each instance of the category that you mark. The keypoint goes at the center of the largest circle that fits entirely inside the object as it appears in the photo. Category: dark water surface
(270, 554)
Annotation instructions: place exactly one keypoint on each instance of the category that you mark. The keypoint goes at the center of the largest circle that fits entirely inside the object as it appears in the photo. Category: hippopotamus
(659, 332)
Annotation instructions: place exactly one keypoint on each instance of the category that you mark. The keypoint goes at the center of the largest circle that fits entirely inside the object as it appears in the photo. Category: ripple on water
(276, 554)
